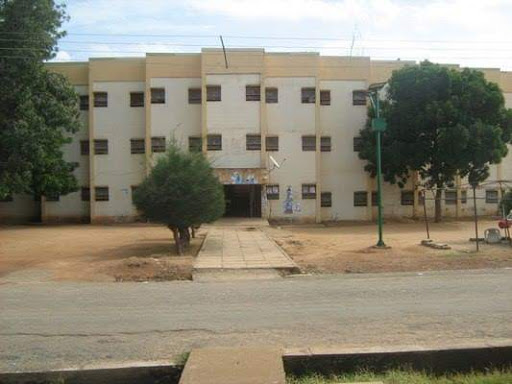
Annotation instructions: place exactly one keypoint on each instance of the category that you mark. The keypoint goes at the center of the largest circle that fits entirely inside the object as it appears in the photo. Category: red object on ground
(504, 223)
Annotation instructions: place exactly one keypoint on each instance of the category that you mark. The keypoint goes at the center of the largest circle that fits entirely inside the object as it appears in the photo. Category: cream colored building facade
(302, 110)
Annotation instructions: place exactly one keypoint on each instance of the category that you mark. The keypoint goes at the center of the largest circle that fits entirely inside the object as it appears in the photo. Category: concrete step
(218, 275)
(234, 366)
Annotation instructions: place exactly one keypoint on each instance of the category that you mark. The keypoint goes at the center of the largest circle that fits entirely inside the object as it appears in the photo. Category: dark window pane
(271, 95)
(360, 199)
(137, 146)
(272, 191)
(214, 143)
(101, 194)
(101, 147)
(308, 191)
(272, 143)
(308, 95)
(194, 96)
(359, 97)
(195, 144)
(309, 143)
(136, 99)
(253, 143)
(84, 147)
(158, 144)
(100, 99)
(325, 144)
(326, 199)
(84, 102)
(157, 95)
(213, 93)
(407, 197)
(325, 97)
(252, 93)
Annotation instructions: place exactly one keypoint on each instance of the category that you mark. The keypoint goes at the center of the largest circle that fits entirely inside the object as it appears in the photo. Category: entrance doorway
(243, 200)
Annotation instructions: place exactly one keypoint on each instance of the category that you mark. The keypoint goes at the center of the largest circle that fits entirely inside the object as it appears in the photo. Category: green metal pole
(380, 243)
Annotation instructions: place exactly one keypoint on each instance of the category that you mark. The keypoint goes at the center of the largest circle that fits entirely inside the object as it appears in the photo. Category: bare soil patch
(347, 248)
(128, 252)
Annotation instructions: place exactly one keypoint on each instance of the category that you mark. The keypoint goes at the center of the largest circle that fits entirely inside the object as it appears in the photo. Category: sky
(472, 33)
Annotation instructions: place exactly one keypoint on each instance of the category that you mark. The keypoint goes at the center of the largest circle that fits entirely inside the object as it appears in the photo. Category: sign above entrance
(242, 176)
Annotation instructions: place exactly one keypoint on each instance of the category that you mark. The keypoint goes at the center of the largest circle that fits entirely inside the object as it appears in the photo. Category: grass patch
(408, 377)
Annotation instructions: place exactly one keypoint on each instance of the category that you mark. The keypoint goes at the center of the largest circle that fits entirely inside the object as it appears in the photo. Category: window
(214, 143)
(359, 97)
(326, 199)
(213, 93)
(194, 95)
(375, 201)
(253, 142)
(101, 193)
(450, 197)
(407, 198)
(101, 147)
(84, 102)
(52, 197)
(272, 143)
(157, 95)
(360, 199)
(6, 199)
(86, 194)
(358, 144)
(252, 93)
(309, 143)
(158, 144)
(308, 96)
(84, 147)
(325, 144)
(195, 144)
(464, 197)
(309, 191)
(136, 99)
(272, 191)
(100, 99)
(325, 97)
(137, 146)
(271, 95)
(491, 196)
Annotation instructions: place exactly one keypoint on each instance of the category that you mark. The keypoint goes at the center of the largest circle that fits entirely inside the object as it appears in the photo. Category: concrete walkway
(241, 247)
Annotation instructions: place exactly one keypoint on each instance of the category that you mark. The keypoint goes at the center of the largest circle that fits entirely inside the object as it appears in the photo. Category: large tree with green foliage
(442, 122)
(38, 109)
(181, 192)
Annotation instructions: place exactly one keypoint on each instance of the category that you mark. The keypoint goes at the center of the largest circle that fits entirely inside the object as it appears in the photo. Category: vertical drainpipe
(204, 108)
(263, 133)
(92, 194)
(147, 111)
(318, 133)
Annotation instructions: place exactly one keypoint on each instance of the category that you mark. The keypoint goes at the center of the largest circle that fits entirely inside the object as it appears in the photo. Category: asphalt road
(57, 325)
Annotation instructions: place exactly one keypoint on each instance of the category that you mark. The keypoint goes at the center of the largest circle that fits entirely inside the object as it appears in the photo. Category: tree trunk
(177, 240)
(439, 193)
(193, 230)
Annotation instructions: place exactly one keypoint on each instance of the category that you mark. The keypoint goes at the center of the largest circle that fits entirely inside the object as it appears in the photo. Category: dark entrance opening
(243, 200)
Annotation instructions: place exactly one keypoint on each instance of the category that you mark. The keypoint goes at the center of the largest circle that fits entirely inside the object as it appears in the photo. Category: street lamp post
(378, 126)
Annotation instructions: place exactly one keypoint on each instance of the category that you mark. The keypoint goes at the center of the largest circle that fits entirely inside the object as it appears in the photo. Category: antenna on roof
(224, 49)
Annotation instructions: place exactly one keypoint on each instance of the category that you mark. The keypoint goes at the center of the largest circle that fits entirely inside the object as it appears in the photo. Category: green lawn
(405, 377)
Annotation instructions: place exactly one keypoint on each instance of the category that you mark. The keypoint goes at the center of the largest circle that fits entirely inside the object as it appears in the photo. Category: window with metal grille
(308, 95)
(375, 200)
(84, 102)
(360, 199)
(309, 191)
(100, 99)
(253, 142)
(358, 144)
(52, 197)
(101, 147)
(359, 97)
(6, 199)
(158, 144)
(272, 191)
(309, 143)
(325, 97)
(134, 188)
(136, 99)
(272, 143)
(252, 93)
(326, 199)
(271, 95)
(157, 95)
(325, 144)
(463, 196)
(195, 144)
(84, 147)
(407, 197)
(194, 95)
(213, 93)
(214, 143)
(137, 146)
(450, 197)
(86, 194)
(491, 196)
(101, 194)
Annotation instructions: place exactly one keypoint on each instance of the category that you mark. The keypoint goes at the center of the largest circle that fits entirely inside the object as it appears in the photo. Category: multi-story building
(246, 112)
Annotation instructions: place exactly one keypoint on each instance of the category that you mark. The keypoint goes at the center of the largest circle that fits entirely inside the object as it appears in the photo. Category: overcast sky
(474, 33)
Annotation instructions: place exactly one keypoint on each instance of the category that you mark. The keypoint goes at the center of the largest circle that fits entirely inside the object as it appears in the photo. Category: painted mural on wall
(290, 206)
(237, 178)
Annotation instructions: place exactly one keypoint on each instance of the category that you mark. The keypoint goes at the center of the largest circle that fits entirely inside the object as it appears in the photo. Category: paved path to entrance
(241, 247)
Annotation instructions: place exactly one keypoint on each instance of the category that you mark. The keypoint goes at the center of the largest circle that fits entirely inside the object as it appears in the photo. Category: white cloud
(62, 56)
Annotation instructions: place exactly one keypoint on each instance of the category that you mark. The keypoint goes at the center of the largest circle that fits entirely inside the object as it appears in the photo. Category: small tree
(506, 203)
(181, 192)
(441, 123)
